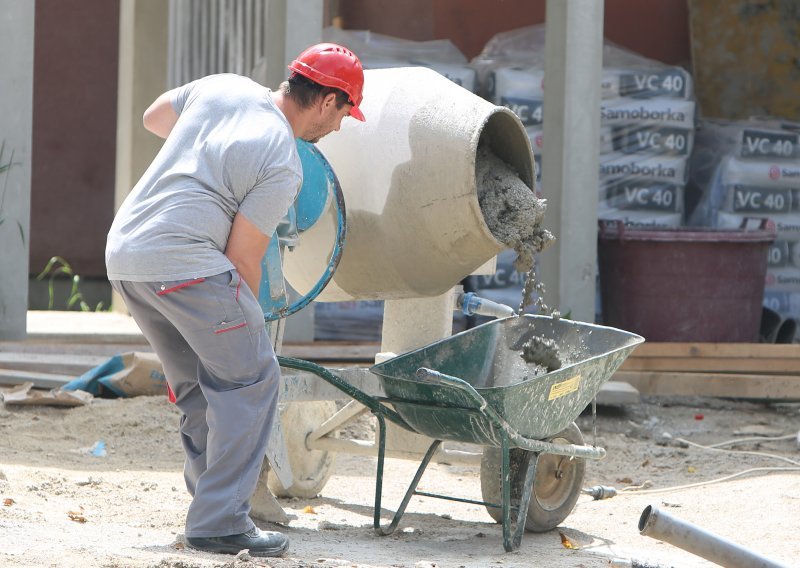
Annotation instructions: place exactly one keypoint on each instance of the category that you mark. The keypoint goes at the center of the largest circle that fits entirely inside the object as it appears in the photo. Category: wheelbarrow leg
(505, 492)
(525, 500)
(512, 542)
(376, 514)
(384, 531)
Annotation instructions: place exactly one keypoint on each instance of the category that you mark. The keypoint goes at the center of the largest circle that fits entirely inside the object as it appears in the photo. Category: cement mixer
(400, 221)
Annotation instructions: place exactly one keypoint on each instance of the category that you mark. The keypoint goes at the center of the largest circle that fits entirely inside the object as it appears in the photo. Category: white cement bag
(762, 173)
(757, 143)
(380, 51)
(783, 279)
(656, 168)
(663, 112)
(529, 109)
(763, 201)
(516, 82)
(784, 254)
(756, 157)
(787, 226)
(785, 302)
(642, 195)
(650, 82)
(461, 75)
(648, 139)
(666, 112)
(631, 139)
(752, 139)
(640, 219)
(644, 83)
(529, 83)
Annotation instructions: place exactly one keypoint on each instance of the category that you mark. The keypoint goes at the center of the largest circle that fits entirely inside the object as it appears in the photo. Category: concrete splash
(541, 351)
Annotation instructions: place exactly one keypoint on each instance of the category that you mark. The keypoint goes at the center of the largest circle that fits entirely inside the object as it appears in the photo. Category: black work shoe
(258, 542)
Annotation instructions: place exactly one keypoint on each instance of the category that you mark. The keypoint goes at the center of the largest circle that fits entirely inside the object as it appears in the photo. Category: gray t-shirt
(231, 150)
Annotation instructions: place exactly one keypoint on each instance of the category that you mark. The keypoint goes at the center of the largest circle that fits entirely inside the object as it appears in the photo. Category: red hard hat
(335, 66)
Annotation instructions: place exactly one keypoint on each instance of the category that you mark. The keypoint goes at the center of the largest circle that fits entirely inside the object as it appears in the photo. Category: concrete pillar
(413, 323)
(570, 159)
(143, 30)
(16, 124)
(291, 27)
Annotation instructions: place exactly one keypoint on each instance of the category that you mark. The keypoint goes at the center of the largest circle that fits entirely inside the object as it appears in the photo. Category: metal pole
(662, 526)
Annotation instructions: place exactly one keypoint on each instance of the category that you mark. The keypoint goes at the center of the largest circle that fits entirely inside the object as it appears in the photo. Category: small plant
(57, 266)
(4, 168)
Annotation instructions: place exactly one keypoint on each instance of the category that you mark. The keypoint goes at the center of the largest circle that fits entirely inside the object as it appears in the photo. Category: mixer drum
(414, 225)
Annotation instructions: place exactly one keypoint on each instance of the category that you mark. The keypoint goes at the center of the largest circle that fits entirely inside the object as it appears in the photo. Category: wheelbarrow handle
(425, 374)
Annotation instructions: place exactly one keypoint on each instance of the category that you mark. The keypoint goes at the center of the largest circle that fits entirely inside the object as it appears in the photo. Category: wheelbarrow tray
(488, 357)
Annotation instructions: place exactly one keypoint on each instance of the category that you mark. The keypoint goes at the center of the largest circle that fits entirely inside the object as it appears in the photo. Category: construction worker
(185, 251)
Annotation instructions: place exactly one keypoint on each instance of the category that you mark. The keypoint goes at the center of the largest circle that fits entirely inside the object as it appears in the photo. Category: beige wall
(658, 29)
(74, 131)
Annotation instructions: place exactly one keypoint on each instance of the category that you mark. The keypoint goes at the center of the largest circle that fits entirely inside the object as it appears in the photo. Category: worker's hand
(245, 249)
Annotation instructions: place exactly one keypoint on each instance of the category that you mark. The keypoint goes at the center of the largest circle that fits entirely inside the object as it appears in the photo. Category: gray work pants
(210, 337)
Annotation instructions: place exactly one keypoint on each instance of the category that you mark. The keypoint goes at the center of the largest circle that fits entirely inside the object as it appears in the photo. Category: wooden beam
(726, 350)
(60, 363)
(713, 384)
(714, 365)
(352, 352)
(39, 380)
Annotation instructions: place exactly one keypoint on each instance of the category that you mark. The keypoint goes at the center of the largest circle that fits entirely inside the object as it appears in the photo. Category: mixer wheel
(310, 468)
(557, 483)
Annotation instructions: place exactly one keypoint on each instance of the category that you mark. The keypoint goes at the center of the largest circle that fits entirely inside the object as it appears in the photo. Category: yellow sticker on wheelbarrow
(564, 388)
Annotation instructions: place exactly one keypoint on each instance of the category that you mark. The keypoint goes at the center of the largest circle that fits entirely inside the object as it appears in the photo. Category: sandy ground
(61, 506)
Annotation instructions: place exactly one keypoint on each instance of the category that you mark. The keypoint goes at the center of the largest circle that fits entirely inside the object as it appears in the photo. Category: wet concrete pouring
(514, 215)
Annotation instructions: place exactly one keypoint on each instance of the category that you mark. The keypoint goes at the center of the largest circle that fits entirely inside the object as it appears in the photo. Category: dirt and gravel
(63, 503)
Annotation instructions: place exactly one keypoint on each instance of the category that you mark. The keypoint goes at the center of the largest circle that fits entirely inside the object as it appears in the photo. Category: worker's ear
(328, 101)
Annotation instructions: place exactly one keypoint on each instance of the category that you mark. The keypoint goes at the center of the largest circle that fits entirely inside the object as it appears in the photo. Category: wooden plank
(60, 363)
(39, 380)
(713, 364)
(713, 384)
(363, 352)
(722, 350)
(106, 350)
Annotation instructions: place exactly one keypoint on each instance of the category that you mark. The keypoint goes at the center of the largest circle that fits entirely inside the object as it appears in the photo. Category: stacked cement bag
(378, 51)
(647, 122)
(747, 174)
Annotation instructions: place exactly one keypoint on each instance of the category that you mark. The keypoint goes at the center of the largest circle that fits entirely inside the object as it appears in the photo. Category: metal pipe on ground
(663, 526)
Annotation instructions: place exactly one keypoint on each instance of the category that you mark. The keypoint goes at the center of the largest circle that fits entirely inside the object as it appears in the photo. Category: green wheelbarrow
(475, 387)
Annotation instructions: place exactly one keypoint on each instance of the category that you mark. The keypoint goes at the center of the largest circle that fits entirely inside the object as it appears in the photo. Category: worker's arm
(160, 117)
(246, 248)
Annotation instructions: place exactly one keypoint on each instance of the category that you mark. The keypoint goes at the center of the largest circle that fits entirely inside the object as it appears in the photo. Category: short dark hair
(305, 92)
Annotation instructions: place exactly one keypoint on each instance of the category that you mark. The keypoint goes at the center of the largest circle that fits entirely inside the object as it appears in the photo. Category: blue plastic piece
(320, 186)
(470, 303)
(317, 190)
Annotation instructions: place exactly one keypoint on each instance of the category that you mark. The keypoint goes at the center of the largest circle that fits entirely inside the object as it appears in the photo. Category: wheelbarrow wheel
(557, 483)
(311, 469)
